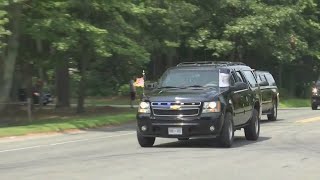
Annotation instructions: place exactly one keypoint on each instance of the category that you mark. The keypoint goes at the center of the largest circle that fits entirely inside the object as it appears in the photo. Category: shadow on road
(209, 143)
(266, 121)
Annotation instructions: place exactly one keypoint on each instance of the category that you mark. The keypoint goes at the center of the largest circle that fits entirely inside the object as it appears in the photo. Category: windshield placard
(224, 79)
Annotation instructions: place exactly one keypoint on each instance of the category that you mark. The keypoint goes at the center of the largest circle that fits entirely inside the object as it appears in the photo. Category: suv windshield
(190, 78)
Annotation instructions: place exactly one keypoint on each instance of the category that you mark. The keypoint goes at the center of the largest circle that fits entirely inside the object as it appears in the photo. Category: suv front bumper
(315, 100)
(191, 126)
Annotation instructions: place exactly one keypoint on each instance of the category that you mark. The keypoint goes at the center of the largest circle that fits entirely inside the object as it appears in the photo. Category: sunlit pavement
(287, 149)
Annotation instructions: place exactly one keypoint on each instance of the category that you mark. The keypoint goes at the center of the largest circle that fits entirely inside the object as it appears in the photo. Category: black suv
(269, 93)
(201, 99)
(315, 98)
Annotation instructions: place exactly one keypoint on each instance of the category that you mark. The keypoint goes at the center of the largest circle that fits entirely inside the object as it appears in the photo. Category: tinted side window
(250, 78)
(232, 81)
(259, 78)
(262, 77)
(238, 77)
(270, 80)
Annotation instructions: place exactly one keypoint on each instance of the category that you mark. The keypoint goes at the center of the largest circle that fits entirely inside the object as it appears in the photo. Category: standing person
(133, 91)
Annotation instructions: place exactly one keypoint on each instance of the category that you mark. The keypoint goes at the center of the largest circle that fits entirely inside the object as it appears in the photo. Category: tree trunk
(9, 61)
(27, 74)
(62, 85)
(41, 86)
(15, 87)
(40, 50)
(82, 84)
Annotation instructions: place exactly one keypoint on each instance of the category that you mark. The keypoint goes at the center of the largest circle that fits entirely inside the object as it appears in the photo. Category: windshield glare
(190, 77)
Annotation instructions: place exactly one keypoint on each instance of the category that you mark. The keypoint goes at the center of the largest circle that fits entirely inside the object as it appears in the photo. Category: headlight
(211, 107)
(36, 94)
(144, 107)
(315, 90)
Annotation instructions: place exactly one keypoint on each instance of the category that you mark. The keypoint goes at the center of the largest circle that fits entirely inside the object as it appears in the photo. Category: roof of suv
(216, 64)
(262, 72)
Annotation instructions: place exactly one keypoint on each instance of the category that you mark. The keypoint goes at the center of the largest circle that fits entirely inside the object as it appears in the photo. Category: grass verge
(294, 102)
(60, 125)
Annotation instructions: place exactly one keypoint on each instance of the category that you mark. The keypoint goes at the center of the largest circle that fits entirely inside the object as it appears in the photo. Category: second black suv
(201, 99)
(269, 93)
(315, 98)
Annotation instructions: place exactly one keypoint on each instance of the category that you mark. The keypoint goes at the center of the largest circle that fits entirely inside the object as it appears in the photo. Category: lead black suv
(201, 99)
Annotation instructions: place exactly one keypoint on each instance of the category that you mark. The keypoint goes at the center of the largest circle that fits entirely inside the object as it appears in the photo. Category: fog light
(211, 128)
(144, 128)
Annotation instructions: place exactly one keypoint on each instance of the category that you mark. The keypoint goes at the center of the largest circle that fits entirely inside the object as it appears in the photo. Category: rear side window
(250, 78)
(270, 80)
(258, 77)
(262, 78)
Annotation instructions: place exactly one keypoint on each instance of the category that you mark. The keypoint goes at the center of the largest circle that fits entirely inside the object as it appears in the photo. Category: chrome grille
(176, 108)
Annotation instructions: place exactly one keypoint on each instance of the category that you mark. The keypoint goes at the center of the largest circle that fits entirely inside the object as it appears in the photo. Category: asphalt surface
(287, 149)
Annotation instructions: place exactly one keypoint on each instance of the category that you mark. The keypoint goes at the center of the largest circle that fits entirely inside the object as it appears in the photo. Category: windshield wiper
(198, 86)
(168, 87)
(182, 87)
(194, 86)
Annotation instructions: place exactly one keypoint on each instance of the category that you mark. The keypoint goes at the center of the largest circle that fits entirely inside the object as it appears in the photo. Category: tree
(10, 51)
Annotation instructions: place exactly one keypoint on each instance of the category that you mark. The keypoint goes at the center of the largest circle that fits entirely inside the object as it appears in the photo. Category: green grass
(294, 102)
(60, 125)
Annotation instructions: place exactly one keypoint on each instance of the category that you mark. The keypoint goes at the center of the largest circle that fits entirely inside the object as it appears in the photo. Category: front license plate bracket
(175, 131)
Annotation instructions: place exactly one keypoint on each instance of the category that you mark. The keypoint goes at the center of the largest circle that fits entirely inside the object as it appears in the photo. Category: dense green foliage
(104, 43)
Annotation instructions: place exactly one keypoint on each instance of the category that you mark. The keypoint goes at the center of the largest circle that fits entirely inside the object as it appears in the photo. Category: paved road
(287, 149)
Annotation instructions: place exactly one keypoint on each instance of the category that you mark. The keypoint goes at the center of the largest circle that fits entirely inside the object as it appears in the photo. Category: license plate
(174, 131)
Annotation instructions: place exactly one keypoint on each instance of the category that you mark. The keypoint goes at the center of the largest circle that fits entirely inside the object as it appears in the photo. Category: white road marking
(65, 142)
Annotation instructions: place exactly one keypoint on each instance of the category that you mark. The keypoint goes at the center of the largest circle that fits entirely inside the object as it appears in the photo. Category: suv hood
(183, 95)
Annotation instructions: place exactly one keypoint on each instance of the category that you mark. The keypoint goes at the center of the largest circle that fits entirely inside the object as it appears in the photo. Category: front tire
(314, 107)
(252, 131)
(227, 133)
(145, 141)
(274, 113)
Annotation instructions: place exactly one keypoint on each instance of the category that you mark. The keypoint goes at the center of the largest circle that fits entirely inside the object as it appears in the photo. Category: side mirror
(264, 83)
(151, 85)
(238, 86)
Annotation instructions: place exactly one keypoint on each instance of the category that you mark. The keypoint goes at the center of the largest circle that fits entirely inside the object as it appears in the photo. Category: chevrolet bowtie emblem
(175, 107)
